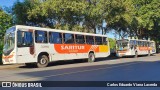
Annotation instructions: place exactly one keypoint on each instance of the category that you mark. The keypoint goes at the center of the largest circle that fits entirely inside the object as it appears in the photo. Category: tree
(119, 16)
(64, 12)
(21, 9)
(5, 22)
(138, 18)
(147, 15)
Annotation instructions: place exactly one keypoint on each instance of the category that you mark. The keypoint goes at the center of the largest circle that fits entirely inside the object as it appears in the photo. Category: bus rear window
(105, 41)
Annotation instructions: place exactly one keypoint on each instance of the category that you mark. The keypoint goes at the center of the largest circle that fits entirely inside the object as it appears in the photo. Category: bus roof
(56, 30)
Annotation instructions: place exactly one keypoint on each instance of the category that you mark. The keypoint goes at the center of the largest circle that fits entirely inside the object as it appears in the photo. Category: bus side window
(105, 41)
(98, 40)
(68, 38)
(144, 43)
(148, 44)
(140, 43)
(131, 44)
(24, 39)
(137, 43)
(41, 37)
(55, 37)
(90, 40)
(80, 39)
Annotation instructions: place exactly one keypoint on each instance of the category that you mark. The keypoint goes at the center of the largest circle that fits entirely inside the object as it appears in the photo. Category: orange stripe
(144, 48)
(7, 57)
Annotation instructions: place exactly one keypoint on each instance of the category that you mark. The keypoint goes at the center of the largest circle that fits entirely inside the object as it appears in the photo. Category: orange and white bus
(27, 44)
(133, 47)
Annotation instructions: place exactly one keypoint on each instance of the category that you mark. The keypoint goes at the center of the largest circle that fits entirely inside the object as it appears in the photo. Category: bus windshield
(9, 40)
(122, 45)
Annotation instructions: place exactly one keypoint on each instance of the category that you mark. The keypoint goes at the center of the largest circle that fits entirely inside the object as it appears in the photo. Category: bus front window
(122, 45)
(9, 41)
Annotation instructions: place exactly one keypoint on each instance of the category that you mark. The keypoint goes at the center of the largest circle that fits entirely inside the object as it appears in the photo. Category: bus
(27, 44)
(133, 47)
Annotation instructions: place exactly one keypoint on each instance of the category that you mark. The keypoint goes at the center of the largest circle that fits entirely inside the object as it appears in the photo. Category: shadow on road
(65, 62)
(112, 71)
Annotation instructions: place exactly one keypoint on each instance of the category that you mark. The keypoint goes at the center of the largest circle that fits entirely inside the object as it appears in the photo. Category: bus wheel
(136, 54)
(42, 61)
(149, 54)
(91, 57)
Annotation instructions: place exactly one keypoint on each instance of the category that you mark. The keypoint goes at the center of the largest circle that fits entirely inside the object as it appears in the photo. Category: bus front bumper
(120, 54)
(8, 60)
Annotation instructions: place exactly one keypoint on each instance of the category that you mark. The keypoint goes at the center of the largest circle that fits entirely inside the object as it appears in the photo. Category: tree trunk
(157, 46)
(102, 30)
(94, 30)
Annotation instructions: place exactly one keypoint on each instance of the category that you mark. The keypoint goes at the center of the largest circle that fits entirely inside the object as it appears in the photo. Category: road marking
(47, 76)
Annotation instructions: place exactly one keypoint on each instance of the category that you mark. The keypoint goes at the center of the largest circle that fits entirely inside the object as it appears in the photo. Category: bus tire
(149, 54)
(42, 61)
(136, 54)
(91, 57)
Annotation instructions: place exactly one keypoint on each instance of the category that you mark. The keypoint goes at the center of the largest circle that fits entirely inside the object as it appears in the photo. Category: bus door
(25, 46)
(132, 47)
(153, 46)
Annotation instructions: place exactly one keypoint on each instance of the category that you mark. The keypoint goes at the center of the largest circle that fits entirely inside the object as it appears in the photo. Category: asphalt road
(144, 68)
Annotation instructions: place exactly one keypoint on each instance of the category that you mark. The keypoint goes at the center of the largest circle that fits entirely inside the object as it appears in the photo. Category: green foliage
(5, 23)
(148, 18)
(139, 18)
(112, 43)
(1, 48)
(148, 12)
(21, 13)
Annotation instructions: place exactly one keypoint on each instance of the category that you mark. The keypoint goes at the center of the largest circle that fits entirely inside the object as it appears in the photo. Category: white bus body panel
(23, 55)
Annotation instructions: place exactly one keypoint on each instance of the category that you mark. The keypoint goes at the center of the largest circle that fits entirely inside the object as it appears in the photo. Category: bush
(112, 44)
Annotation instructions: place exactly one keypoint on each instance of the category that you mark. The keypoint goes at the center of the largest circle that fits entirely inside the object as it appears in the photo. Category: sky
(9, 3)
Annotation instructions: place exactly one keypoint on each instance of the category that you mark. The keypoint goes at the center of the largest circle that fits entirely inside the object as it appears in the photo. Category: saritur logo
(66, 47)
